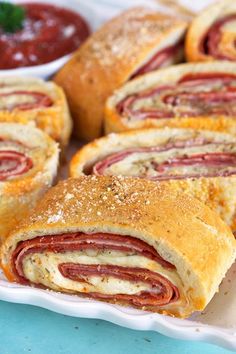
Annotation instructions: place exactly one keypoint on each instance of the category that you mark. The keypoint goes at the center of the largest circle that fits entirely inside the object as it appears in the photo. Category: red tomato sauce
(49, 32)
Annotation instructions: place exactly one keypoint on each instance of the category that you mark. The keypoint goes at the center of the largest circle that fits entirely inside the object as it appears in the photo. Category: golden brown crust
(183, 230)
(217, 124)
(107, 60)
(201, 24)
(19, 195)
(54, 120)
(114, 122)
(216, 192)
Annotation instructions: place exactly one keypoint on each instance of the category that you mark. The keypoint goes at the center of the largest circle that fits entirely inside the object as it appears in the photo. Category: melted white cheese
(229, 26)
(141, 163)
(185, 107)
(9, 102)
(43, 268)
(34, 153)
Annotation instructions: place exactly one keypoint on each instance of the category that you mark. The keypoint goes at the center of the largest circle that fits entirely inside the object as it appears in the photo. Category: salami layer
(192, 96)
(161, 59)
(13, 163)
(159, 291)
(190, 159)
(221, 31)
(211, 36)
(28, 164)
(24, 100)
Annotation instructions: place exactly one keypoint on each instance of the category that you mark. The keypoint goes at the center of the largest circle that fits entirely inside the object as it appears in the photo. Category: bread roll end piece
(109, 58)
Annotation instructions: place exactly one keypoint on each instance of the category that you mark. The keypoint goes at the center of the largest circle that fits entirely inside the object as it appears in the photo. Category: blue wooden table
(28, 329)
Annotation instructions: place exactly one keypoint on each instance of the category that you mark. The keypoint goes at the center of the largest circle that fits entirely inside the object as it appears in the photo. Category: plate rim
(123, 316)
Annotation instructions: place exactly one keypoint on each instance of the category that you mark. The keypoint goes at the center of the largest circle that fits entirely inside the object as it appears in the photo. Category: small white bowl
(46, 70)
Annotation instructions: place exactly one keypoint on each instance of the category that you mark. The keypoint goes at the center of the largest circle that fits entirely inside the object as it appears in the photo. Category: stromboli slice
(27, 99)
(122, 240)
(212, 35)
(136, 41)
(28, 165)
(199, 163)
(200, 96)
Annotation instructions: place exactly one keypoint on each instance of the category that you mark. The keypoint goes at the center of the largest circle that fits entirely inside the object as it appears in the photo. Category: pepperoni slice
(215, 159)
(36, 100)
(203, 78)
(100, 167)
(160, 59)
(125, 106)
(162, 291)
(216, 162)
(203, 97)
(194, 95)
(13, 164)
(80, 241)
(209, 44)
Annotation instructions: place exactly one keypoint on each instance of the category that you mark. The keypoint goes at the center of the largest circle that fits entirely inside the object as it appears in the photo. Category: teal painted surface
(28, 329)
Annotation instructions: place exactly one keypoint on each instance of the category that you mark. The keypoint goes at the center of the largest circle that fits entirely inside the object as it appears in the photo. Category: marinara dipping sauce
(49, 32)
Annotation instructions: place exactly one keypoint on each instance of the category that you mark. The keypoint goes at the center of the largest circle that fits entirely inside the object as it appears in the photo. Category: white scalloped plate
(216, 325)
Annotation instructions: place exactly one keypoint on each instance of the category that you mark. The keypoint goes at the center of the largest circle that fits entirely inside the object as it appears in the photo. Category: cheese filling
(23, 100)
(43, 268)
(104, 266)
(15, 159)
(9, 101)
(219, 41)
(211, 158)
(162, 58)
(206, 96)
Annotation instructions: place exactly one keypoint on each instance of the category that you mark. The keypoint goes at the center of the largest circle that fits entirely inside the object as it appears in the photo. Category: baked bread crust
(200, 26)
(114, 122)
(19, 195)
(108, 59)
(55, 120)
(182, 230)
(216, 192)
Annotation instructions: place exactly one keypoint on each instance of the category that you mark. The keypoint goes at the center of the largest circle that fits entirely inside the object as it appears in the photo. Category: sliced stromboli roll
(125, 241)
(199, 163)
(137, 41)
(26, 99)
(200, 96)
(212, 34)
(28, 165)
